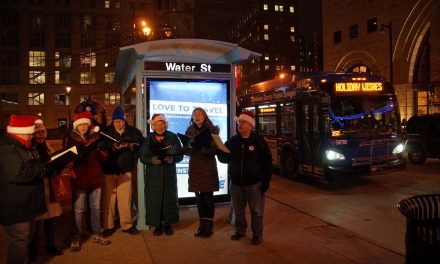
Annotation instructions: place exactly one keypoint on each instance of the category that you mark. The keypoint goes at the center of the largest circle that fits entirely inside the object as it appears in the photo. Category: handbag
(61, 189)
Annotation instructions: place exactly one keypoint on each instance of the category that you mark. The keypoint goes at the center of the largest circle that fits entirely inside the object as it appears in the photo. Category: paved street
(306, 222)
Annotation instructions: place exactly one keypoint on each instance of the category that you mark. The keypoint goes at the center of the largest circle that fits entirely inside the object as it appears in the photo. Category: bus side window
(288, 121)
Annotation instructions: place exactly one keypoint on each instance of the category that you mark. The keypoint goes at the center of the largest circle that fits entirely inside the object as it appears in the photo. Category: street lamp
(390, 45)
(68, 88)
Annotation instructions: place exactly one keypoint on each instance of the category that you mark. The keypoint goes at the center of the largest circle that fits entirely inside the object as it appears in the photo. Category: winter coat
(161, 180)
(250, 160)
(21, 183)
(86, 171)
(124, 159)
(202, 172)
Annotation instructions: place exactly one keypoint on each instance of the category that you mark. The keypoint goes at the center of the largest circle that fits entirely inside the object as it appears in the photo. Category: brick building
(356, 37)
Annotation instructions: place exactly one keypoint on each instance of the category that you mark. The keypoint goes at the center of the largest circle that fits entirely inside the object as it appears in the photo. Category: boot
(208, 230)
(200, 230)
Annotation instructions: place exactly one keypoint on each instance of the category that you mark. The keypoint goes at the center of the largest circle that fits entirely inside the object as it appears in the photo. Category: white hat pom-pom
(96, 129)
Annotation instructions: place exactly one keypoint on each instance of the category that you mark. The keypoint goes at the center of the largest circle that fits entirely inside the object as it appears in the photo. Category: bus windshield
(357, 116)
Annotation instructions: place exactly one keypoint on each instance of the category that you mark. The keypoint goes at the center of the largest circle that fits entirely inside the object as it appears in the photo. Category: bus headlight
(398, 149)
(333, 155)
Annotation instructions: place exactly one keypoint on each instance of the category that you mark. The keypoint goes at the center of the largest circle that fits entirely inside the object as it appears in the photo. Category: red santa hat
(21, 124)
(82, 118)
(157, 117)
(246, 116)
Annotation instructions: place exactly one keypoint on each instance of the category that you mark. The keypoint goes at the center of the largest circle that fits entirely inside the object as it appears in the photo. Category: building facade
(286, 33)
(396, 39)
(57, 54)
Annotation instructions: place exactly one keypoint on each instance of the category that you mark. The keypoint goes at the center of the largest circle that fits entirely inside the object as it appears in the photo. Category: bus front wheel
(417, 156)
(289, 167)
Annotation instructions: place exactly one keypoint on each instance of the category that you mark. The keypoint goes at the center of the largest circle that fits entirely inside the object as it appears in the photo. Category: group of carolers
(101, 177)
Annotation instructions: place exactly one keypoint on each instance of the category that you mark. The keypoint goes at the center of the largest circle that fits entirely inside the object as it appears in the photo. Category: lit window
(87, 21)
(292, 38)
(292, 29)
(266, 27)
(266, 67)
(112, 98)
(62, 77)
(37, 58)
(88, 59)
(107, 4)
(292, 68)
(266, 58)
(60, 99)
(87, 78)
(278, 67)
(37, 77)
(266, 36)
(265, 7)
(62, 60)
(35, 98)
(109, 77)
(291, 9)
(281, 8)
(276, 8)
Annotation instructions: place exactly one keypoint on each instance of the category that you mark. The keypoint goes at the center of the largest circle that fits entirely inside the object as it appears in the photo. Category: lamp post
(68, 88)
(390, 45)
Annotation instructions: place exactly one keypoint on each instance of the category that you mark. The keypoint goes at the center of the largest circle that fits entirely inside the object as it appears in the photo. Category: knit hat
(86, 107)
(21, 124)
(118, 114)
(157, 117)
(39, 126)
(246, 116)
(81, 118)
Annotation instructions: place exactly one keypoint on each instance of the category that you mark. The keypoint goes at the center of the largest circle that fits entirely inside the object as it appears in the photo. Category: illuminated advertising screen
(177, 99)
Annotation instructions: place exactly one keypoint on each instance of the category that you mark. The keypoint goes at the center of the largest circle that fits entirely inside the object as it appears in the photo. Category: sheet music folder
(61, 158)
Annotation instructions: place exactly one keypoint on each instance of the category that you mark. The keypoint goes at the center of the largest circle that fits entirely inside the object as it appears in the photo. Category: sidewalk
(289, 237)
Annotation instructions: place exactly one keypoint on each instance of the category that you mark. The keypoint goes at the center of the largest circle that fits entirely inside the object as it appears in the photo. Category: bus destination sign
(358, 87)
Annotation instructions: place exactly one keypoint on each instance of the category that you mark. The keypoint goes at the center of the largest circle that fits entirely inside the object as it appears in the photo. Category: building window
(85, 97)
(291, 9)
(9, 98)
(276, 8)
(353, 29)
(266, 58)
(36, 40)
(360, 68)
(266, 27)
(107, 4)
(87, 78)
(64, 61)
(62, 21)
(35, 98)
(62, 40)
(10, 58)
(112, 98)
(266, 36)
(117, 5)
(292, 38)
(265, 7)
(372, 24)
(10, 77)
(87, 41)
(292, 29)
(37, 59)
(37, 21)
(37, 77)
(292, 68)
(281, 8)
(60, 99)
(337, 38)
(266, 67)
(9, 38)
(109, 77)
(87, 21)
(88, 59)
(62, 77)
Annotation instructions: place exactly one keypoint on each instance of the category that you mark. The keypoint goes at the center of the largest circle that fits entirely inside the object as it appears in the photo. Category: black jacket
(250, 160)
(124, 159)
(21, 183)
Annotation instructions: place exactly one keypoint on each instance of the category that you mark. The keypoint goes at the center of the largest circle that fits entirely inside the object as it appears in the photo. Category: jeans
(252, 195)
(19, 238)
(79, 208)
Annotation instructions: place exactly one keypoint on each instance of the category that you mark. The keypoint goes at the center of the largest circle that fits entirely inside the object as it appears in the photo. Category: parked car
(423, 138)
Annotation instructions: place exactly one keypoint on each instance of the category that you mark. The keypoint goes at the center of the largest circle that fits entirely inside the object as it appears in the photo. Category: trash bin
(422, 239)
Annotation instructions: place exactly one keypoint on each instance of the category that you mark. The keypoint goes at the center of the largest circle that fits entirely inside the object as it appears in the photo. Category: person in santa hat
(250, 163)
(87, 178)
(202, 172)
(117, 169)
(21, 185)
(160, 152)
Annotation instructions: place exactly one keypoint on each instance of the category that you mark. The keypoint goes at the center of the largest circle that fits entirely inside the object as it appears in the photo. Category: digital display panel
(358, 87)
(177, 99)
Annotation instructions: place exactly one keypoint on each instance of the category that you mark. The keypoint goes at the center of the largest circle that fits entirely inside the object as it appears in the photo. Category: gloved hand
(155, 160)
(196, 145)
(168, 159)
(265, 184)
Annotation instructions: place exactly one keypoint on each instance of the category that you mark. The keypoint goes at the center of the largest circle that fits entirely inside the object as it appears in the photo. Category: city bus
(328, 125)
